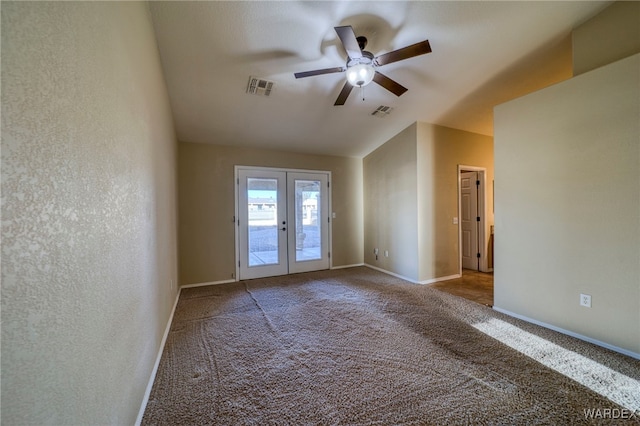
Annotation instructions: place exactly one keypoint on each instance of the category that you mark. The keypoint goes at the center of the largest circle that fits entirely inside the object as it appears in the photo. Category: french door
(282, 222)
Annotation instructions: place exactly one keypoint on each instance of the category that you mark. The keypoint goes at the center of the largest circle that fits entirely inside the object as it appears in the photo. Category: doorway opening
(472, 223)
(282, 221)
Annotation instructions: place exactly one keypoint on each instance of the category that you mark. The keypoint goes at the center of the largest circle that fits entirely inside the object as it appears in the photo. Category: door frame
(482, 207)
(236, 230)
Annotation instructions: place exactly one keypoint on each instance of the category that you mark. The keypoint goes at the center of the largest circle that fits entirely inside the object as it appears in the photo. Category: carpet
(359, 347)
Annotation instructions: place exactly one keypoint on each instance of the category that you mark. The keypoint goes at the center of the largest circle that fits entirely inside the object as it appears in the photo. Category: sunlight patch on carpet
(609, 383)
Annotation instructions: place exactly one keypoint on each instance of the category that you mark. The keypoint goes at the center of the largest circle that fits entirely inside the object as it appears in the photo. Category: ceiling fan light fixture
(360, 74)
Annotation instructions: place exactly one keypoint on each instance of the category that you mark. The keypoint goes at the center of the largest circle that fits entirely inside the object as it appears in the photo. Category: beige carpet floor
(359, 347)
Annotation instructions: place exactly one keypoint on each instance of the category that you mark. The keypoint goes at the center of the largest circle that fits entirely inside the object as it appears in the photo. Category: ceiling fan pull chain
(362, 89)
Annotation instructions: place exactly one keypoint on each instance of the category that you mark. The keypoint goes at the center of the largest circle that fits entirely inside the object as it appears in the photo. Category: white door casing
(469, 219)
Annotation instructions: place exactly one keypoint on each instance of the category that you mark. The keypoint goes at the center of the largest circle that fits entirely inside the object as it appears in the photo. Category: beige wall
(206, 205)
(567, 204)
(440, 151)
(391, 210)
(88, 211)
(611, 35)
(411, 198)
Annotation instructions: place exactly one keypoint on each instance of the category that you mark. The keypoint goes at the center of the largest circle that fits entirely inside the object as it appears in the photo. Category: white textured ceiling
(484, 53)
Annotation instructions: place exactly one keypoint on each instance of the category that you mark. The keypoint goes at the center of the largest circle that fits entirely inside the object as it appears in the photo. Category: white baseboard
(355, 265)
(206, 284)
(402, 277)
(570, 333)
(437, 280)
(411, 280)
(147, 392)
(233, 280)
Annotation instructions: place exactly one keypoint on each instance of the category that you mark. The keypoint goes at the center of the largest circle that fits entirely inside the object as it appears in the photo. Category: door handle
(284, 229)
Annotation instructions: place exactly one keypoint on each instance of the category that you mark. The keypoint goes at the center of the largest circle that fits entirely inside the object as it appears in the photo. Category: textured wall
(88, 211)
(206, 189)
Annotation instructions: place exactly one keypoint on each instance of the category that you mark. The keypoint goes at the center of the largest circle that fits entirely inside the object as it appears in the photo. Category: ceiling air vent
(382, 111)
(259, 86)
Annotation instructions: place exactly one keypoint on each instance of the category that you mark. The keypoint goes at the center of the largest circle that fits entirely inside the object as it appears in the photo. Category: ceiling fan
(361, 65)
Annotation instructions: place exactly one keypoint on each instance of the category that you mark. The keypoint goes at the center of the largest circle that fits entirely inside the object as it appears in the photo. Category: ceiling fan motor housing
(367, 58)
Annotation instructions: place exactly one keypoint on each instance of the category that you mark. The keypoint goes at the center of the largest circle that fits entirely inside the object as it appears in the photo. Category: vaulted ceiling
(484, 53)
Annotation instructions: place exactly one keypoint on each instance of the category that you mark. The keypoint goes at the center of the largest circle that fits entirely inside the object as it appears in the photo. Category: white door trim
(482, 207)
(235, 218)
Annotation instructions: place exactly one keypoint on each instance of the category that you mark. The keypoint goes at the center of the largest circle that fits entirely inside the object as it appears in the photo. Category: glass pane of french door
(262, 203)
(307, 235)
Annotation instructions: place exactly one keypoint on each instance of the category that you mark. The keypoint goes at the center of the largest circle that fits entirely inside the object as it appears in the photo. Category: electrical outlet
(585, 300)
(386, 253)
(375, 251)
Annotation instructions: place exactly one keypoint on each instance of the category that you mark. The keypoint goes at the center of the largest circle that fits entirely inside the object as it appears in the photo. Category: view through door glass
(262, 196)
(308, 236)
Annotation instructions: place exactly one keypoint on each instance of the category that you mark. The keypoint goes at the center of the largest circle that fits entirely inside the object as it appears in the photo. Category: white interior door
(469, 220)
(283, 222)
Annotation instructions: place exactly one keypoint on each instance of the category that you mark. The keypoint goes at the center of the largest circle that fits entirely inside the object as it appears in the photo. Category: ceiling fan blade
(349, 41)
(404, 53)
(319, 72)
(391, 85)
(344, 94)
